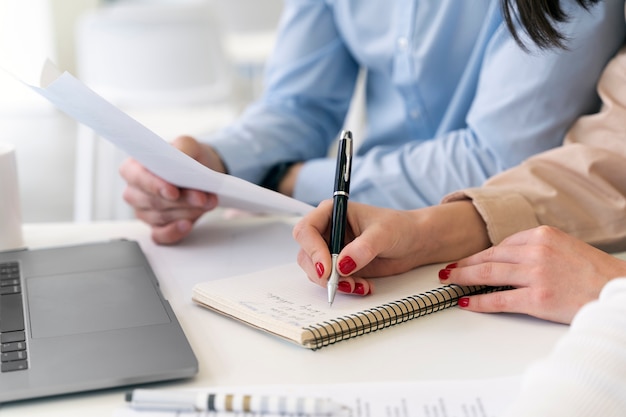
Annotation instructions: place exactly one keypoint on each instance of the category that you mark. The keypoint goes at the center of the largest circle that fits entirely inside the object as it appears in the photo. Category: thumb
(188, 145)
(202, 153)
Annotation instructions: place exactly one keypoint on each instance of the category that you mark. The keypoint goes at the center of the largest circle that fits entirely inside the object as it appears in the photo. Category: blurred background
(177, 66)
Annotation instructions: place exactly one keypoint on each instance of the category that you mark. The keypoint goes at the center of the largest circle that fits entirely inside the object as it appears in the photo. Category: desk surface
(451, 344)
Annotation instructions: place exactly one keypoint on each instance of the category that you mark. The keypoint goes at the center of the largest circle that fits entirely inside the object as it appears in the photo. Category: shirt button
(402, 43)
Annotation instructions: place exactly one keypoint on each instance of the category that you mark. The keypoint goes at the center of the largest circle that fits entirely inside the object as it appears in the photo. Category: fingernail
(451, 266)
(359, 288)
(346, 265)
(319, 267)
(444, 274)
(463, 301)
(344, 286)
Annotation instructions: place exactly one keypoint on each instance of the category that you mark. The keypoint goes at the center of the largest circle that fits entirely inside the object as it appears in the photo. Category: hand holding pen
(340, 208)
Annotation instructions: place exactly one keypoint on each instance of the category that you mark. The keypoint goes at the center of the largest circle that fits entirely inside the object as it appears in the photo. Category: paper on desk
(74, 98)
(458, 398)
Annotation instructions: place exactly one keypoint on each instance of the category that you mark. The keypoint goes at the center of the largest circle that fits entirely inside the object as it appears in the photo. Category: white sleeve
(585, 375)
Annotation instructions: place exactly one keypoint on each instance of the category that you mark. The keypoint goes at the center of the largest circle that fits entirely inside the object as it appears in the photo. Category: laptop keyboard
(12, 331)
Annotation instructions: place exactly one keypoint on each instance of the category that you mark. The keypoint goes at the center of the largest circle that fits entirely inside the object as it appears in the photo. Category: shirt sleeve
(584, 374)
(579, 187)
(310, 80)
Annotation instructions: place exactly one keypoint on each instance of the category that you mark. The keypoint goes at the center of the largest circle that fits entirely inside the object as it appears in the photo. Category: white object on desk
(483, 397)
(10, 206)
(212, 401)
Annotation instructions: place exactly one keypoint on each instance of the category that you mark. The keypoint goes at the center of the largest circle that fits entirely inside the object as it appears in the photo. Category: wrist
(282, 177)
(275, 176)
(213, 160)
(287, 184)
(450, 231)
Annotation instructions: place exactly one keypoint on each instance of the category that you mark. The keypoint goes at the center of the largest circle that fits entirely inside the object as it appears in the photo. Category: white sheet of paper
(459, 398)
(74, 98)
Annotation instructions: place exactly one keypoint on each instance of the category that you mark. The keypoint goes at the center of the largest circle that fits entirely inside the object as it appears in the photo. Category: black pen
(340, 208)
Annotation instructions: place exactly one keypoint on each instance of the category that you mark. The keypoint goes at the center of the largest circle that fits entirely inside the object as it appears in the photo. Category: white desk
(450, 344)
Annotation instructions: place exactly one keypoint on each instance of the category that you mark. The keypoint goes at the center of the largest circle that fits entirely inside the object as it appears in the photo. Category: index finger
(309, 232)
(494, 255)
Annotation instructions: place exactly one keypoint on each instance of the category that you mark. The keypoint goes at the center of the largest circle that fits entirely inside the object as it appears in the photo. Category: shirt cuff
(504, 213)
(239, 160)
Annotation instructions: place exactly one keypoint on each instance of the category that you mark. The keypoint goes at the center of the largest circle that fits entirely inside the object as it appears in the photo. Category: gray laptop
(85, 317)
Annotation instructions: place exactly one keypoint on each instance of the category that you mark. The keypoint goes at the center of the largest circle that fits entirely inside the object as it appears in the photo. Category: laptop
(85, 317)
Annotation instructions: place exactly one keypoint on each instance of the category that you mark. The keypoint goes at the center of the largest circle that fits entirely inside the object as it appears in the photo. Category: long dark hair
(538, 19)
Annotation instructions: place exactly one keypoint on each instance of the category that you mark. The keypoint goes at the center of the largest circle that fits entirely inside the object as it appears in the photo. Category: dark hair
(538, 19)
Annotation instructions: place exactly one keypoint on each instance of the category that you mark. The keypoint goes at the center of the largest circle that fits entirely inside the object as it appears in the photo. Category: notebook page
(283, 301)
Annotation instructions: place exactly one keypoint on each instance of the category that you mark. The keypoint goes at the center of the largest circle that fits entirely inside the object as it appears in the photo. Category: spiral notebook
(282, 301)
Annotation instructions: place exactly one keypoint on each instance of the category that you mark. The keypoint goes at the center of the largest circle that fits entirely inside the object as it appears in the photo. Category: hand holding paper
(75, 99)
(169, 210)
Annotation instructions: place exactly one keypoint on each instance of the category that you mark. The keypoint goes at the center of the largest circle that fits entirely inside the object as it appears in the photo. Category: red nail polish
(346, 265)
(451, 266)
(319, 267)
(359, 288)
(444, 274)
(464, 301)
(344, 286)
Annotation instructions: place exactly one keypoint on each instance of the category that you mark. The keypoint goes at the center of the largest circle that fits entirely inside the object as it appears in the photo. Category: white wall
(45, 138)
(31, 30)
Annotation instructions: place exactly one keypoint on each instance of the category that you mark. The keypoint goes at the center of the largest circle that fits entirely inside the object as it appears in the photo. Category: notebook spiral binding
(389, 314)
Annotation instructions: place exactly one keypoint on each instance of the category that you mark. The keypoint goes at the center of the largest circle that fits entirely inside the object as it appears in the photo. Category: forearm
(448, 232)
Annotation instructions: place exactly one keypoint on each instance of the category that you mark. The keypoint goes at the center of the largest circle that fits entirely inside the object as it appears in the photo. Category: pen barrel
(343, 168)
(341, 193)
(339, 220)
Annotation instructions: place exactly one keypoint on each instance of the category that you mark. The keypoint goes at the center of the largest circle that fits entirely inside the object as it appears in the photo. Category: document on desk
(441, 398)
(74, 98)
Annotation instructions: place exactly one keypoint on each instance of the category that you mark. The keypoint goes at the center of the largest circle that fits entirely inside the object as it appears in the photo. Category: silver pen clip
(348, 168)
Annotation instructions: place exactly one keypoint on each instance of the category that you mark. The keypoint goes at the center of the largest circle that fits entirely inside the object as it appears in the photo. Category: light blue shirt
(451, 98)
